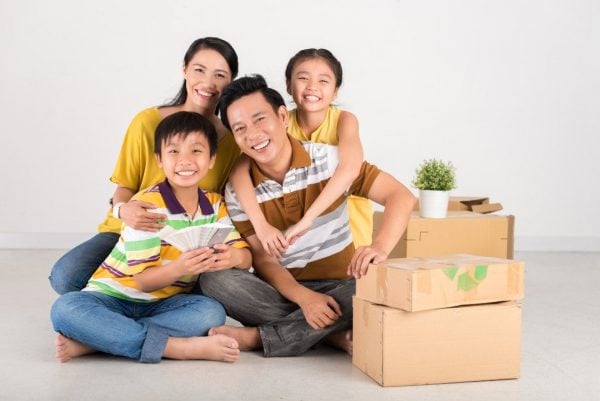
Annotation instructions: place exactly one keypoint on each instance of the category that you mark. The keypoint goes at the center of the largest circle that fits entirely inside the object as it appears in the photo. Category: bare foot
(341, 340)
(214, 348)
(247, 337)
(67, 349)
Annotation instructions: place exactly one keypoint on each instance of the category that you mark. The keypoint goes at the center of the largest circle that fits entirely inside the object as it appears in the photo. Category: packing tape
(513, 278)
(424, 281)
(382, 283)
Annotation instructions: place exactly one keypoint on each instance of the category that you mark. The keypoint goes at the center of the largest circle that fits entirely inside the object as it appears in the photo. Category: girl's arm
(272, 240)
(351, 158)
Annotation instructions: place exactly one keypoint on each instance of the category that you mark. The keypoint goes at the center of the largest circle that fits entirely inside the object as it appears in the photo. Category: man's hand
(361, 259)
(319, 310)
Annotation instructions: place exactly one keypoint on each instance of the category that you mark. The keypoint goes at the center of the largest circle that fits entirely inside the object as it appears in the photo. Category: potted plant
(434, 179)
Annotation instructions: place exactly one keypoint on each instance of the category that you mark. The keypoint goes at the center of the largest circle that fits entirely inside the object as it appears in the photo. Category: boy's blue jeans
(133, 329)
(73, 270)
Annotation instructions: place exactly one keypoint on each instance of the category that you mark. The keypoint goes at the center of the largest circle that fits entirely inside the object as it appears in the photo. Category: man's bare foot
(341, 340)
(213, 348)
(67, 349)
(247, 337)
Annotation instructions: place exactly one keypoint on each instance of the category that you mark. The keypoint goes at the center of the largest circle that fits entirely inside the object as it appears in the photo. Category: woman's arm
(134, 213)
(272, 240)
(351, 158)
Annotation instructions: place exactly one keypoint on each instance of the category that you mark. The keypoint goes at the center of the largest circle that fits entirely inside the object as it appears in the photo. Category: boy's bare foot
(213, 348)
(67, 349)
(341, 340)
(247, 337)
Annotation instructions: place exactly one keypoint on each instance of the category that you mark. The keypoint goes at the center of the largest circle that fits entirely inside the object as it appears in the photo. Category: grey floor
(560, 350)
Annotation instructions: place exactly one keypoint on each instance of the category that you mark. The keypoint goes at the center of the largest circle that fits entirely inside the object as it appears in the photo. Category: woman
(209, 65)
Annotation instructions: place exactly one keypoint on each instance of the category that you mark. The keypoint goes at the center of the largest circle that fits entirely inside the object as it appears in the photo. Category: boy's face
(186, 161)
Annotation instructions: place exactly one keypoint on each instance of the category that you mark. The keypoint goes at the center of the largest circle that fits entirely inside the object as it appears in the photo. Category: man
(304, 298)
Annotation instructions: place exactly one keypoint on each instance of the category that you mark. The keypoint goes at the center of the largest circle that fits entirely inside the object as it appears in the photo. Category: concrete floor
(560, 350)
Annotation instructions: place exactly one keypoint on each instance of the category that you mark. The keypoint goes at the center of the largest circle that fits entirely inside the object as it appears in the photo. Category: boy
(134, 305)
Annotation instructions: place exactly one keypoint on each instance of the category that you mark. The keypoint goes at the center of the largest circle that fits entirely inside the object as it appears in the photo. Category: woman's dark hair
(185, 123)
(246, 86)
(307, 54)
(219, 45)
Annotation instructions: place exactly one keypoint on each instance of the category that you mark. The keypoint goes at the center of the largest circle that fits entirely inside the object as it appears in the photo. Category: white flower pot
(433, 204)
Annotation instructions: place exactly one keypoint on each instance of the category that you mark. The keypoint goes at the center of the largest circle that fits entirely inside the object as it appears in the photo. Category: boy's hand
(195, 262)
(135, 214)
(361, 259)
(298, 229)
(320, 310)
(272, 240)
(222, 258)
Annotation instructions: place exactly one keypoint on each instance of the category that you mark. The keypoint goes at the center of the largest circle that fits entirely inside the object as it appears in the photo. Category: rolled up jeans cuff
(154, 345)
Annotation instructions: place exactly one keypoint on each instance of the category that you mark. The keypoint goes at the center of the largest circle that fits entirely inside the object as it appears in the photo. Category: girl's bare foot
(247, 337)
(67, 349)
(341, 340)
(213, 348)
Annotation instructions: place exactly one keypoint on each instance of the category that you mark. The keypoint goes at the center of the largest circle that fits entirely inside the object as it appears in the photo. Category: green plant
(435, 175)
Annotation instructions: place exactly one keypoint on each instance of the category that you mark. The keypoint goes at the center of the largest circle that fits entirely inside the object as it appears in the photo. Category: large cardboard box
(416, 284)
(460, 232)
(466, 343)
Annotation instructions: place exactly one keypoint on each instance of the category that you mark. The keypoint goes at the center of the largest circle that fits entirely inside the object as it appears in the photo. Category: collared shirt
(325, 251)
(138, 250)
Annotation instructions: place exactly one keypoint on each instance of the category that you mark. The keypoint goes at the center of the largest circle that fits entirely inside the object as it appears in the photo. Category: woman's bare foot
(213, 348)
(341, 340)
(247, 337)
(67, 349)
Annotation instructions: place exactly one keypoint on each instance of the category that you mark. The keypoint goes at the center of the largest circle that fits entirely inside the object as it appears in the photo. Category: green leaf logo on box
(466, 282)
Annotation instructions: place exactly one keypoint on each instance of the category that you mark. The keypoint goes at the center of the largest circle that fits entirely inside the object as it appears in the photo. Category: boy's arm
(270, 238)
(350, 160)
(398, 202)
(319, 310)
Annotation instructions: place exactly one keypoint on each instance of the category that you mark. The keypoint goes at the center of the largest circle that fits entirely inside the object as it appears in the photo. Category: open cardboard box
(415, 284)
(465, 343)
(459, 232)
(477, 204)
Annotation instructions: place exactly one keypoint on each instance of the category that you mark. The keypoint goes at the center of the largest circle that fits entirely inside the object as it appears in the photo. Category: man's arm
(319, 310)
(398, 202)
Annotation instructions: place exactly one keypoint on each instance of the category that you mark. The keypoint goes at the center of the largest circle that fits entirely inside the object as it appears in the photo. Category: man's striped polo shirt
(325, 251)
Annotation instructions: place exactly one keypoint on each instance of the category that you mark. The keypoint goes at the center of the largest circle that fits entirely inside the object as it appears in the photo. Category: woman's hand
(135, 215)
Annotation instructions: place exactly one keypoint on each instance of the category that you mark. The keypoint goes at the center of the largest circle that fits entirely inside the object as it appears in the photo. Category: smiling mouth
(205, 93)
(186, 173)
(312, 98)
(261, 145)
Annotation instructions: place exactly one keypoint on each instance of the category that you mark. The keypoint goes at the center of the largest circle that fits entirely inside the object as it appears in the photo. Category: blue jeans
(73, 270)
(133, 329)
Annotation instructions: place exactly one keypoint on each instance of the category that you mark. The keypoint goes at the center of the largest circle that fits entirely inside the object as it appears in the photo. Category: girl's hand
(194, 262)
(272, 240)
(298, 229)
(136, 215)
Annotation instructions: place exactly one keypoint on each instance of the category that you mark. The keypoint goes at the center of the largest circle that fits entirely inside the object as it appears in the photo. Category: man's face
(259, 131)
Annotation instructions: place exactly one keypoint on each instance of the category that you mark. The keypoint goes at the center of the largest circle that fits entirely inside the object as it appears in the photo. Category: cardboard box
(466, 343)
(415, 284)
(460, 232)
(478, 204)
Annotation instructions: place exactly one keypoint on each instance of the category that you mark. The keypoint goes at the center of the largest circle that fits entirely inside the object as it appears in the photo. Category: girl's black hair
(306, 54)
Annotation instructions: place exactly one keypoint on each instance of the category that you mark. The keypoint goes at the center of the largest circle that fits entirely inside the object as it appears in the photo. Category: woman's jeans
(72, 271)
(133, 329)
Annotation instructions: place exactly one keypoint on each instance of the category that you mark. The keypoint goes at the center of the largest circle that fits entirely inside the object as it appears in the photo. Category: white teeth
(261, 145)
(204, 93)
(311, 98)
(185, 173)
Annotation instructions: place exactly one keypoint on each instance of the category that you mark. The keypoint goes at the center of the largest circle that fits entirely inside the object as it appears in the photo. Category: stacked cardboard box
(468, 228)
(439, 320)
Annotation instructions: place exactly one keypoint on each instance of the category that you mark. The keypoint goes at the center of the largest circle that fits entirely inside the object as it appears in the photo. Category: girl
(313, 77)
(208, 66)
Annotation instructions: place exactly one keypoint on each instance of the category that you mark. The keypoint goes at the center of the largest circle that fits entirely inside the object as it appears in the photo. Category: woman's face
(206, 75)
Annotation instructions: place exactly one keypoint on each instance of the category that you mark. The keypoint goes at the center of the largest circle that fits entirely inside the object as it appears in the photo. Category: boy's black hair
(246, 86)
(184, 123)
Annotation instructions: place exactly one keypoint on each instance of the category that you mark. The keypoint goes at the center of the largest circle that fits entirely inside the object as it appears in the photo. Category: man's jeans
(73, 270)
(280, 322)
(133, 329)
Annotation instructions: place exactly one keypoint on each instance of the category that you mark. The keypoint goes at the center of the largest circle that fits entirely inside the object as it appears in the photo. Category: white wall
(507, 90)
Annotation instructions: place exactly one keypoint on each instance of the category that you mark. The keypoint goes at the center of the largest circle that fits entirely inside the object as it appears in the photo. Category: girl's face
(312, 85)
(206, 75)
